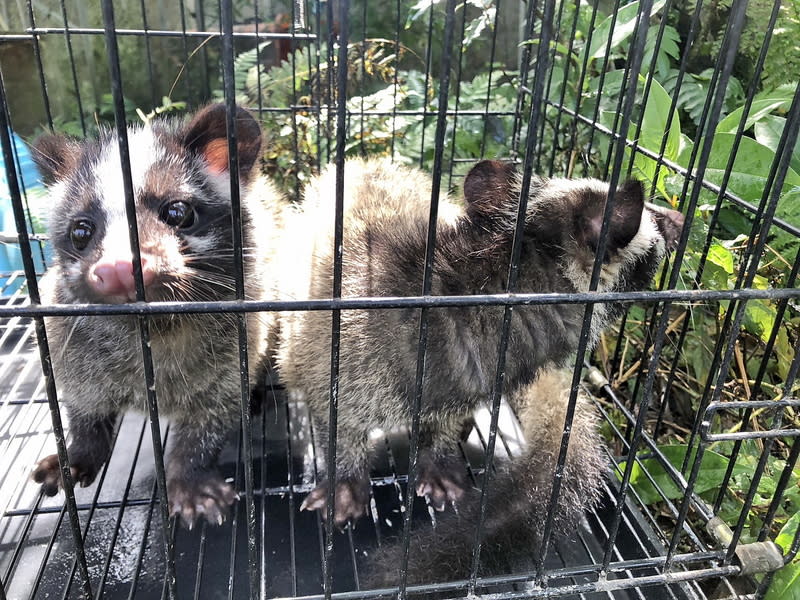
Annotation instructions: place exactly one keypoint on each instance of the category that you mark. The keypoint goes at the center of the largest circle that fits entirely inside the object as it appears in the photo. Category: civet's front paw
(48, 473)
(351, 499)
(200, 494)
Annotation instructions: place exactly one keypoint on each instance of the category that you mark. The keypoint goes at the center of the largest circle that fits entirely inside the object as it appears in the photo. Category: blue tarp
(29, 180)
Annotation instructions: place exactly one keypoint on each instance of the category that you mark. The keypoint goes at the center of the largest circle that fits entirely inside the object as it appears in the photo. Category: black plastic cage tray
(123, 536)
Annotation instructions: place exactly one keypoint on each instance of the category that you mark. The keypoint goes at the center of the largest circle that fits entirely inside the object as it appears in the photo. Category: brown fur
(97, 361)
(518, 500)
(386, 210)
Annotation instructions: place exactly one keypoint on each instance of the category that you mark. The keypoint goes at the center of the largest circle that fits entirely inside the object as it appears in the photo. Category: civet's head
(181, 185)
(564, 221)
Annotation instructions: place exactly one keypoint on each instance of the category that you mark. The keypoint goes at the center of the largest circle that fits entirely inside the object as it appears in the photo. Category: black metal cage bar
(700, 374)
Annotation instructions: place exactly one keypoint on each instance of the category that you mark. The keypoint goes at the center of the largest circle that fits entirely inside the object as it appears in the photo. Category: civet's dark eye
(177, 214)
(81, 233)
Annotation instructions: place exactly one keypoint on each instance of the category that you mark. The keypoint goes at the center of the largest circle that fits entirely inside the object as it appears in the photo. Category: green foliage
(710, 477)
(786, 582)
(694, 91)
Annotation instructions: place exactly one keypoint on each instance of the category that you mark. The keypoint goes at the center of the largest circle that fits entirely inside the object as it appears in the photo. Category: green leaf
(768, 132)
(623, 28)
(786, 582)
(750, 167)
(759, 318)
(709, 477)
(721, 256)
(758, 110)
(784, 353)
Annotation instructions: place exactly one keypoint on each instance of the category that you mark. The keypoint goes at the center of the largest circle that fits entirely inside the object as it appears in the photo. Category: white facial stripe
(116, 240)
(202, 245)
(222, 186)
(144, 152)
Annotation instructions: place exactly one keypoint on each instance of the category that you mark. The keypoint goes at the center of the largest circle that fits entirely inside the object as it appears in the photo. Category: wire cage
(695, 385)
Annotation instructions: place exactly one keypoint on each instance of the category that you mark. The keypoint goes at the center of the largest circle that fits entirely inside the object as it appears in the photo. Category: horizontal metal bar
(11, 237)
(599, 586)
(713, 407)
(265, 35)
(750, 435)
(316, 108)
(375, 303)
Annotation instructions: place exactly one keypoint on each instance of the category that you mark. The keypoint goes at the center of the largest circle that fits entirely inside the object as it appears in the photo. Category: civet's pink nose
(114, 277)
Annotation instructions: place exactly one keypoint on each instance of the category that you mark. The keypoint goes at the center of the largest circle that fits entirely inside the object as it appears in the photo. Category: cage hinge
(756, 557)
(595, 378)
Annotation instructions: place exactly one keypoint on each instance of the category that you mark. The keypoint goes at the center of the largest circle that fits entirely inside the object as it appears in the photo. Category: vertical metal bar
(694, 28)
(200, 19)
(262, 582)
(329, 78)
(336, 292)
(556, 32)
(234, 535)
(318, 58)
(75, 85)
(537, 98)
(780, 168)
(187, 80)
(430, 249)
(259, 94)
(39, 67)
(143, 322)
(573, 136)
(295, 136)
(428, 67)
(490, 74)
(201, 559)
(603, 71)
(362, 91)
(458, 96)
(636, 56)
(137, 570)
(567, 65)
(226, 24)
(292, 513)
(646, 93)
(765, 454)
(396, 69)
(151, 75)
(777, 497)
(42, 342)
(524, 68)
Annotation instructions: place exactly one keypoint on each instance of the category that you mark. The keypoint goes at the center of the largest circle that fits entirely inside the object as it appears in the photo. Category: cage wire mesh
(695, 385)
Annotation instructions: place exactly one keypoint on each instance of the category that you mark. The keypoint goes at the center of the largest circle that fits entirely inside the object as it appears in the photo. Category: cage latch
(595, 378)
(756, 557)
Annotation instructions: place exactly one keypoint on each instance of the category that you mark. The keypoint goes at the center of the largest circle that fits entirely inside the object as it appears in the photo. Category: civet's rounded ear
(488, 190)
(56, 156)
(625, 218)
(206, 135)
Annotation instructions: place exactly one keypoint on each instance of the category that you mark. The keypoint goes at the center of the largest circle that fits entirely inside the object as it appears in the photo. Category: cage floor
(124, 547)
